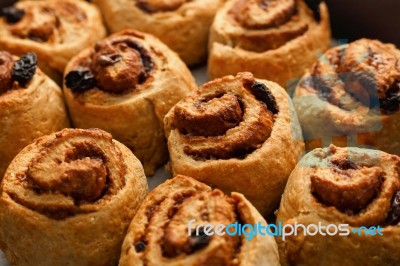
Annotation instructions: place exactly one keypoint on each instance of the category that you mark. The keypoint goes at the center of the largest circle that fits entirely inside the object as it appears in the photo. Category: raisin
(392, 100)
(198, 241)
(140, 246)
(80, 80)
(394, 212)
(263, 94)
(24, 68)
(12, 14)
(314, 6)
(345, 164)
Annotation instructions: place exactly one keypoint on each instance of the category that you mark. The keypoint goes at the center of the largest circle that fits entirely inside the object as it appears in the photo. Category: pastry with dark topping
(163, 236)
(354, 190)
(354, 91)
(274, 39)
(240, 128)
(74, 193)
(125, 84)
(54, 30)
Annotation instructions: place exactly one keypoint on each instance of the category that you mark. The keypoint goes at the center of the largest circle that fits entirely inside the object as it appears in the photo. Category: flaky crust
(254, 155)
(352, 91)
(68, 199)
(27, 112)
(182, 24)
(133, 114)
(158, 235)
(55, 30)
(333, 186)
(240, 40)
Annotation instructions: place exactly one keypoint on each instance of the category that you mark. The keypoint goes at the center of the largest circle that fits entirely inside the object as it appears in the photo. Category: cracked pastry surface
(159, 233)
(31, 105)
(355, 90)
(125, 85)
(354, 186)
(183, 25)
(54, 29)
(74, 194)
(230, 134)
(273, 39)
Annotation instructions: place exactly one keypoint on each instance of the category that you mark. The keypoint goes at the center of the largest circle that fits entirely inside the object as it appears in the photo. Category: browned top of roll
(160, 232)
(116, 65)
(6, 65)
(352, 184)
(226, 118)
(152, 6)
(365, 72)
(261, 25)
(41, 21)
(67, 173)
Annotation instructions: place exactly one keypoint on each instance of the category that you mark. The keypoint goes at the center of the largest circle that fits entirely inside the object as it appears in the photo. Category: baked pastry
(68, 199)
(125, 85)
(55, 30)
(354, 91)
(236, 134)
(164, 231)
(31, 105)
(275, 40)
(351, 190)
(181, 24)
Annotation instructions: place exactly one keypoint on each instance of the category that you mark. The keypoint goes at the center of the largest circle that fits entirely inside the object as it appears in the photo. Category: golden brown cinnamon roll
(237, 134)
(55, 30)
(356, 191)
(181, 24)
(125, 85)
(164, 231)
(354, 91)
(68, 199)
(273, 39)
(31, 105)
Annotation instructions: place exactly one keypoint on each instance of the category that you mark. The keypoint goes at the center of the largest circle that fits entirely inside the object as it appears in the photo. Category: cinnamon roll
(237, 134)
(55, 30)
(273, 39)
(68, 199)
(164, 231)
(31, 105)
(181, 24)
(354, 91)
(125, 85)
(347, 188)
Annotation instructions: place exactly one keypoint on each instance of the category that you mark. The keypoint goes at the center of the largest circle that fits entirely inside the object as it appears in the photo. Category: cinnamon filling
(267, 24)
(346, 185)
(364, 73)
(226, 123)
(64, 178)
(6, 66)
(116, 66)
(153, 6)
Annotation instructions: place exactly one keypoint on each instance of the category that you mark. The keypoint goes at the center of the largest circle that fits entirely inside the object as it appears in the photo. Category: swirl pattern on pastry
(152, 6)
(55, 30)
(226, 121)
(71, 191)
(355, 89)
(351, 186)
(229, 128)
(159, 234)
(125, 85)
(70, 174)
(248, 32)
